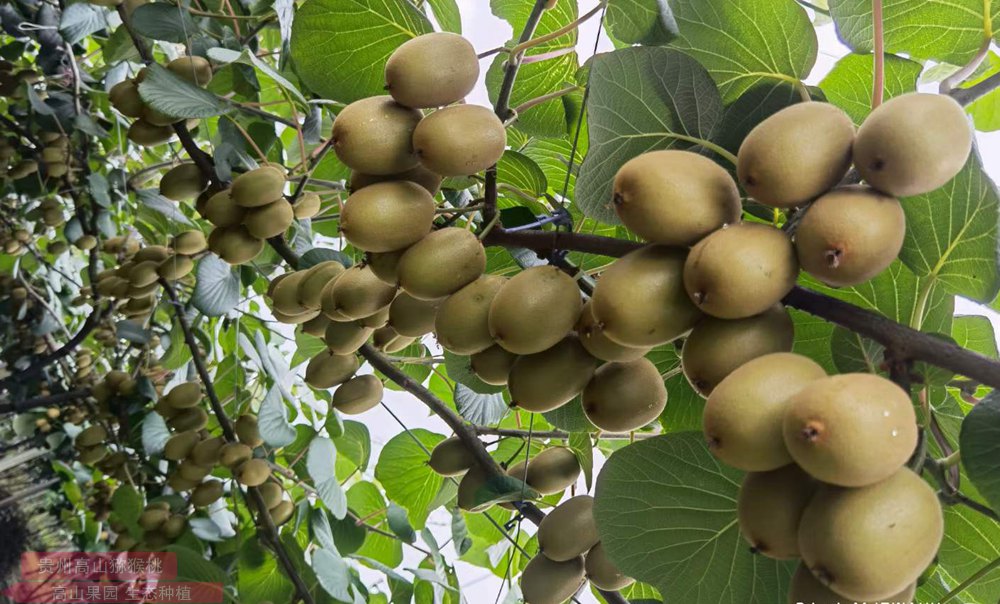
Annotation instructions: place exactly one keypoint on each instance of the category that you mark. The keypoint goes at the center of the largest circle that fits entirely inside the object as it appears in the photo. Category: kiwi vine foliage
(687, 74)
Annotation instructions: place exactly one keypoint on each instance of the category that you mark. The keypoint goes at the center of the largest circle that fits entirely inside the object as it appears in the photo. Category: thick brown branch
(965, 96)
(549, 241)
(38, 402)
(559, 434)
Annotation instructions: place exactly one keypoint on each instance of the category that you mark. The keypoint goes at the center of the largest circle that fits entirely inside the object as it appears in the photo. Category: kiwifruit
(845, 533)
(441, 263)
(468, 488)
(183, 181)
(307, 206)
(603, 573)
(258, 187)
(310, 288)
(374, 135)
(91, 455)
(269, 220)
(412, 317)
(90, 436)
(675, 197)
(850, 430)
(87, 242)
(206, 453)
(143, 273)
(247, 431)
(222, 211)
(158, 118)
(56, 169)
(534, 310)
(640, 300)
(272, 494)
(546, 380)
(569, 530)
(451, 457)
(174, 526)
(379, 319)
(180, 445)
(740, 270)
(156, 253)
(358, 394)
(432, 70)
(194, 418)
(285, 294)
(493, 365)
(326, 370)
(282, 512)
(124, 96)
(385, 265)
(192, 471)
(551, 471)
(179, 483)
(460, 140)
(913, 143)
(625, 396)
(253, 472)
(743, 416)
(387, 216)
(796, 154)
(600, 346)
(346, 337)
(420, 175)
(235, 244)
(316, 326)
(807, 588)
(544, 581)
(194, 69)
(184, 395)
(462, 321)
(52, 155)
(770, 507)
(716, 347)
(850, 235)
(145, 134)
(175, 267)
(357, 293)
(233, 454)
(206, 493)
(152, 519)
(299, 319)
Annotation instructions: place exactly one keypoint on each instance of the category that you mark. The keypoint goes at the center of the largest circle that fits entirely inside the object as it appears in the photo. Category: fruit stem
(523, 46)
(878, 87)
(541, 99)
(952, 81)
(952, 460)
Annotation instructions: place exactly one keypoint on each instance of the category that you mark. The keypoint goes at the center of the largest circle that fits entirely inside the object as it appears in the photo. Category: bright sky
(486, 32)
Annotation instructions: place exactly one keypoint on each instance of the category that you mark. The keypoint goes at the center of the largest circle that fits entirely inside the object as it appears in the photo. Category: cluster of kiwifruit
(160, 527)
(15, 241)
(12, 79)
(152, 127)
(99, 499)
(92, 450)
(49, 212)
(825, 457)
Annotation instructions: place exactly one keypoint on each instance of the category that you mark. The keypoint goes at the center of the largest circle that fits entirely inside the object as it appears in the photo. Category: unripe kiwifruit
(743, 416)
(852, 429)
(569, 530)
(316, 326)
(222, 211)
(175, 267)
(640, 300)
(603, 573)
(441, 263)
(740, 270)
(182, 182)
(124, 96)
(796, 154)
(625, 396)
(156, 253)
(717, 347)
(806, 588)
(769, 509)
(420, 175)
(451, 457)
(385, 265)
(174, 526)
(194, 69)
(272, 493)
(913, 143)
(310, 289)
(460, 140)
(493, 365)
(326, 370)
(206, 453)
(189, 470)
(675, 197)
(387, 216)
(545, 581)
(387, 340)
(357, 293)
(358, 394)
(158, 118)
(284, 294)
(546, 380)
(91, 436)
(307, 206)
(235, 244)
(469, 488)
(179, 483)
(462, 322)
(534, 309)
(850, 235)
(374, 135)
(232, 455)
(551, 471)
(282, 512)
(253, 473)
(346, 337)
(412, 317)
(152, 519)
(269, 220)
(184, 395)
(143, 274)
(194, 418)
(258, 187)
(206, 493)
(91, 455)
(600, 346)
(246, 430)
(180, 445)
(432, 70)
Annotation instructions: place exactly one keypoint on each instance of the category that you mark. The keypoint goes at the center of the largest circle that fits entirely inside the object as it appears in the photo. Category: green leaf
(520, 171)
(583, 448)
(745, 42)
(306, 347)
(812, 338)
(365, 499)
(980, 443)
(154, 433)
(985, 111)
(225, 55)
(570, 417)
(673, 97)
(348, 535)
(684, 406)
(80, 20)
(171, 94)
(321, 254)
(946, 30)
(951, 234)
(849, 83)
(479, 409)
(354, 447)
(647, 22)
(753, 107)
(333, 573)
(403, 471)
(460, 369)
(396, 516)
(217, 286)
(975, 333)
(127, 504)
(320, 463)
(260, 578)
(460, 533)
(162, 21)
(272, 420)
(446, 13)
(341, 46)
(666, 514)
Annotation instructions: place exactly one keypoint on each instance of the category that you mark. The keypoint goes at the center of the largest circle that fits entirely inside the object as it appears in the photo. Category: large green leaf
(745, 42)
(944, 30)
(666, 513)
(447, 14)
(173, 95)
(321, 462)
(671, 99)
(341, 46)
(975, 333)
(980, 442)
(163, 21)
(217, 286)
(849, 83)
(403, 471)
(647, 22)
(756, 105)
(260, 579)
(951, 234)
(366, 500)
